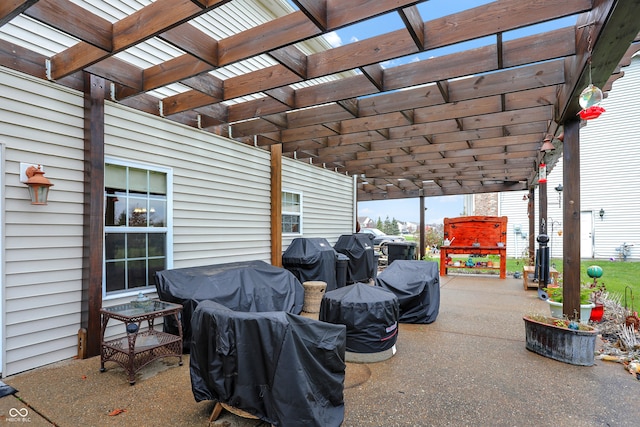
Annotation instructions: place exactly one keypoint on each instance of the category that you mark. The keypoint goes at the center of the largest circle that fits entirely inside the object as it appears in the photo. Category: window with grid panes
(136, 231)
(291, 212)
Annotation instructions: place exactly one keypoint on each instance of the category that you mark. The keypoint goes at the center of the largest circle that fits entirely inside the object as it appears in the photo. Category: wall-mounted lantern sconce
(33, 177)
(559, 189)
(547, 145)
(601, 213)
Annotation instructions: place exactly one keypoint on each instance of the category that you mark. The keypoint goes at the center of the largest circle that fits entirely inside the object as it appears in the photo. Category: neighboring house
(609, 182)
(366, 222)
(175, 196)
(408, 227)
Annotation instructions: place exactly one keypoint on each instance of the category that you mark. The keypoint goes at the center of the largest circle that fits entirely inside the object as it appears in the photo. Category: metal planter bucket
(562, 344)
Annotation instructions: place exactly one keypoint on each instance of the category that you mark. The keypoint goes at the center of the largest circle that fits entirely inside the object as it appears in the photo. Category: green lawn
(617, 274)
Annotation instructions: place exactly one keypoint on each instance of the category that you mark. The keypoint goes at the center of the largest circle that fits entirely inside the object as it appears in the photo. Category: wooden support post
(422, 228)
(93, 230)
(276, 205)
(571, 220)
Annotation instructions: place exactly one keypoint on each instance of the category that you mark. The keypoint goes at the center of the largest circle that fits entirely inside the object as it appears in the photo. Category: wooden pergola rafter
(466, 122)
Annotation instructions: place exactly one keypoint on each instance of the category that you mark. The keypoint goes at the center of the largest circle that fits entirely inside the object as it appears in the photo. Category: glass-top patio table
(139, 348)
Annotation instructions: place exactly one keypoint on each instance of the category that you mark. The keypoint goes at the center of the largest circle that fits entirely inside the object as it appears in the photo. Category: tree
(433, 235)
(379, 224)
(394, 226)
(387, 227)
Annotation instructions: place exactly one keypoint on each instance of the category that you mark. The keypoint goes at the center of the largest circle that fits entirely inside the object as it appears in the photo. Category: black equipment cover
(311, 259)
(370, 314)
(285, 369)
(417, 286)
(244, 286)
(359, 248)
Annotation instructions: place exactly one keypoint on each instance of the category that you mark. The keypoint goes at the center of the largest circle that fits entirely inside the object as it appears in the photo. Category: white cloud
(333, 38)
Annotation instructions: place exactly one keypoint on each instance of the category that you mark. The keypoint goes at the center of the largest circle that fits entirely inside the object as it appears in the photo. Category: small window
(291, 212)
(136, 226)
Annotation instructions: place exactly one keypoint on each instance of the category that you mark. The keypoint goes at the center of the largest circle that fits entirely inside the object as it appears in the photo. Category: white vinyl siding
(41, 123)
(221, 188)
(328, 200)
(609, 177)
(610, 167)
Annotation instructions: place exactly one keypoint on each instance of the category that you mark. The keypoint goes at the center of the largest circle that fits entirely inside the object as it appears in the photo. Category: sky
(408, 210)
(437, 207)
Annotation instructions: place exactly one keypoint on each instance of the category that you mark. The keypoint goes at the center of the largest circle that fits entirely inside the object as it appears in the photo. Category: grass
(618, 275)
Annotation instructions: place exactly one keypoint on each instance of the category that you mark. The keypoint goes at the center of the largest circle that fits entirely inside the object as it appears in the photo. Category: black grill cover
(311, 259)
(359, 249)
(417, 286)
(244, 286)
(285, 369)
(370, 314)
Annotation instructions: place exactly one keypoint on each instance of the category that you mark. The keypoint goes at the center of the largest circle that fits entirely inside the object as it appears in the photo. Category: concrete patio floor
(468, 368)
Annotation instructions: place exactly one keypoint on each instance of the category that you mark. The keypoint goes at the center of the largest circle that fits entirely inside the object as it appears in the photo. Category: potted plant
(555, 296)
(559, 339)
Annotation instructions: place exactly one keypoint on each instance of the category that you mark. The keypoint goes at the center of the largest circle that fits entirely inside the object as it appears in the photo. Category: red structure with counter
(475, 235)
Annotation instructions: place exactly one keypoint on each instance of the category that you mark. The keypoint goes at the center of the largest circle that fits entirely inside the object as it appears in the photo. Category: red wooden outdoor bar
(475, 235)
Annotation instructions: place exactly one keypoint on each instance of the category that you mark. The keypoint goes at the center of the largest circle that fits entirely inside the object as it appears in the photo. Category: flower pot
(597, 312)
(562, 344)
(585, 311)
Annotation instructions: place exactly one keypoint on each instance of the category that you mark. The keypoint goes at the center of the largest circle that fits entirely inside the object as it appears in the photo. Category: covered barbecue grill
(417, 286)
(311, 259)
(252, 286)
(362, 264)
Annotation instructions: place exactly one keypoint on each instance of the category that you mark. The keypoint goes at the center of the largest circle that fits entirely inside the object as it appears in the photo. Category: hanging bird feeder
(590, 98)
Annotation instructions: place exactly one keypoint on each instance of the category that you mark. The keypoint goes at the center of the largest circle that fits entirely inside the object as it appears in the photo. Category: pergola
(471, 121)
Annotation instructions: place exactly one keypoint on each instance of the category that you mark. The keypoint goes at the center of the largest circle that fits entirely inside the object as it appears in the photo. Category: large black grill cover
(311, 259)
(285, 369)
(244, 286)
(370, 314)
(417, 286)
(359, 249)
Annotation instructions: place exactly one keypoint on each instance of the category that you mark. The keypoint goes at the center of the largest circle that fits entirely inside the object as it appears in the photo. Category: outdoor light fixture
(601, 214)
(525, 197)
(38, 185)
(547, 145)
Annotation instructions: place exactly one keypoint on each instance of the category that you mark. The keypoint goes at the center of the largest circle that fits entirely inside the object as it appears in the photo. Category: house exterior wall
(609, 178)
(328, 200)
(220, 196)
(42, 281)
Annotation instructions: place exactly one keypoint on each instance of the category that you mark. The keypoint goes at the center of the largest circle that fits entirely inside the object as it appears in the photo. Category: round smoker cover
(311, 259)
(370, 314)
